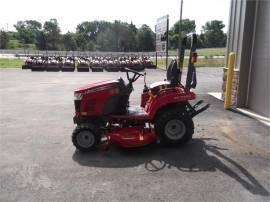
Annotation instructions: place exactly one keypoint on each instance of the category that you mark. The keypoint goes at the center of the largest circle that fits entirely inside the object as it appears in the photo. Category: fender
(166, 97)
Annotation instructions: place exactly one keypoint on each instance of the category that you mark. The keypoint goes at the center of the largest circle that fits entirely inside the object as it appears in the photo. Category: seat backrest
(173, 73)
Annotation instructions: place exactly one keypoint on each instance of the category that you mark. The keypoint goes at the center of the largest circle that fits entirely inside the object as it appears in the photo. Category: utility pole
(180, 40)
(167, 41)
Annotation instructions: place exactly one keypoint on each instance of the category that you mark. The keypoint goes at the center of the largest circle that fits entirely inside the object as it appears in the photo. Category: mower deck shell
(131, 137)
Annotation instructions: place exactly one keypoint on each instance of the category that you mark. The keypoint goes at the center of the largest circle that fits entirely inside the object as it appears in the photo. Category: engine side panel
(94, 100)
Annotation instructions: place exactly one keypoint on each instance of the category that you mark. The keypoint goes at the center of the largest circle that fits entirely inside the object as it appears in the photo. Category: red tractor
(103, 115)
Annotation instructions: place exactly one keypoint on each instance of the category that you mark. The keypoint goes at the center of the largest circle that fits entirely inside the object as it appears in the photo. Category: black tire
(86, 137)
(173, 127)
(97, 69)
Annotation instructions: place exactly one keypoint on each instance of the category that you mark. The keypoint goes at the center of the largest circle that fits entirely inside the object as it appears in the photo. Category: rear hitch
(196, 109)
(197, 104)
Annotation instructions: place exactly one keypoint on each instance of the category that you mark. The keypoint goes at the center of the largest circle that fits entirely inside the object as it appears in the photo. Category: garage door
(259, 93)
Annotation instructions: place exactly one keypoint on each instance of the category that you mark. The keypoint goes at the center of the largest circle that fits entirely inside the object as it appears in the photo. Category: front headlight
(78, 96)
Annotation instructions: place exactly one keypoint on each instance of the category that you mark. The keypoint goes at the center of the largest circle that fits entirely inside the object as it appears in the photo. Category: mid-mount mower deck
(103, 115)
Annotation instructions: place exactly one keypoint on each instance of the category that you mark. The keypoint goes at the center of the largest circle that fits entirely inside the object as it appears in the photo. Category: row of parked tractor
(85, 64)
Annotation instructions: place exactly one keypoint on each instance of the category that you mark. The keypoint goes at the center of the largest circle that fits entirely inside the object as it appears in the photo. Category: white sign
(161, 33)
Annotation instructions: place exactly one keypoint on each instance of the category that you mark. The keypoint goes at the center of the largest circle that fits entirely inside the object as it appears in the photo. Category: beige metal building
(249, 38)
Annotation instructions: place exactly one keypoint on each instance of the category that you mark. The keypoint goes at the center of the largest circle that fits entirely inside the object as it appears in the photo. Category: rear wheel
(173, 127)
(85, 138)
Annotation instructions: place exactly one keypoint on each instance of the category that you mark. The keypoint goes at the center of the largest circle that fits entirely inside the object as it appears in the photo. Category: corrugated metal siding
(259, 84)
(249, 38)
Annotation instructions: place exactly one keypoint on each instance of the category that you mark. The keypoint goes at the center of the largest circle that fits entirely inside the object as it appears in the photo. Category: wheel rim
(175, 129)
(85, 139)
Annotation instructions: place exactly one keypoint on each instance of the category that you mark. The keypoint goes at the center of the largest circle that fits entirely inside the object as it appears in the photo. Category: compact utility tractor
(104, 117)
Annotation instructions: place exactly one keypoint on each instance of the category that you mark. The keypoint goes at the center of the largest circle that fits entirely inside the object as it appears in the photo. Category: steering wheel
(133, 71)
(135, 76)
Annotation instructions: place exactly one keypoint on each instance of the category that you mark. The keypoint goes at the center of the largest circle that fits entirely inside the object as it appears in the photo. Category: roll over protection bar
(191, 80)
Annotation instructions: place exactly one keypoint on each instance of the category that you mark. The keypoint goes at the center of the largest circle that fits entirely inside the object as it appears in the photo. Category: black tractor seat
(171, 81)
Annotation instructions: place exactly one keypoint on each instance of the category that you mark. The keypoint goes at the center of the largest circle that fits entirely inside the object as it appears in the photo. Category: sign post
(162, 33)
(180, 41)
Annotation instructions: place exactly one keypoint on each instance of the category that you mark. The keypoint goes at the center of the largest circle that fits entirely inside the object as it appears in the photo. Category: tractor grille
(77, 105)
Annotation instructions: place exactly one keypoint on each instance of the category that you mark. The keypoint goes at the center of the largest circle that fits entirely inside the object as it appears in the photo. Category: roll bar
(191, 80)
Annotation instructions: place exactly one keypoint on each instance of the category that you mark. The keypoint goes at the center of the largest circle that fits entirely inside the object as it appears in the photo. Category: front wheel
(173, 127)
(85, 138)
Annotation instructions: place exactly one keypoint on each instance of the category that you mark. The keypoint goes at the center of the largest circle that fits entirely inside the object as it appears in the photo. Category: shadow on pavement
(194, 157)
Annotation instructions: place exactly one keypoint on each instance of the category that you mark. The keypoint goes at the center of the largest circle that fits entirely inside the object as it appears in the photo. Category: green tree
(132, 27)
(118, 36)
(87, 33)
(173, 41)
(145, 39)
(213, 35)
(83, 43)
(28, 30)
(125, 36)
(4, 39)
(187, 27)
(200, 41)
(52, 34)
(69, 41)
(41, 41)
(90, 30)
(128, 37)
(106, 41)
(90, 46)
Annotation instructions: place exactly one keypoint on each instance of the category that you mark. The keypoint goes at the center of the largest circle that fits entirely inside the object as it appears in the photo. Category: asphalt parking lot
(227, 160)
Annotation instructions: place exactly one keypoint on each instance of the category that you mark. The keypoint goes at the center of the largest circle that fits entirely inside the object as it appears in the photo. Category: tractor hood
(98, 86)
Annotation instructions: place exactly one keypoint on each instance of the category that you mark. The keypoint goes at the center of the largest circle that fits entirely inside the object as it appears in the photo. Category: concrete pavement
(228, 159)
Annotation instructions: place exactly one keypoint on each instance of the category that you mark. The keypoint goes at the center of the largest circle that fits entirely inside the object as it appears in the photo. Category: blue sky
(69, 12)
